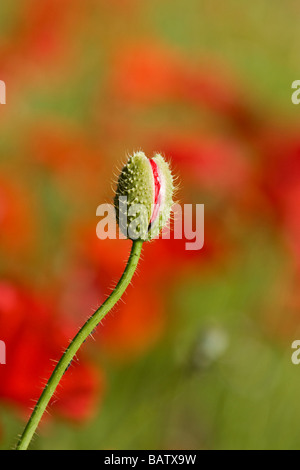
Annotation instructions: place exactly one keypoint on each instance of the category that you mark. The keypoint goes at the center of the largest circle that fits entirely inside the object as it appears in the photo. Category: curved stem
(75, 344)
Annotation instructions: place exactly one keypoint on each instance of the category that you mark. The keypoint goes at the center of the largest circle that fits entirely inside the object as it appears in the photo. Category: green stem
(74, 346)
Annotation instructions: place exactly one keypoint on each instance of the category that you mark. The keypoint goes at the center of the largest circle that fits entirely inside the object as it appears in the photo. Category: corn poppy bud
(144, 196)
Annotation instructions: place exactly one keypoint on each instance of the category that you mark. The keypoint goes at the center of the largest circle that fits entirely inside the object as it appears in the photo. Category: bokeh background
(198, 356)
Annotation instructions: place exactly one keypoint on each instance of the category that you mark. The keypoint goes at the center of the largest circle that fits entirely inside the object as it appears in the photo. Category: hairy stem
(75, 344)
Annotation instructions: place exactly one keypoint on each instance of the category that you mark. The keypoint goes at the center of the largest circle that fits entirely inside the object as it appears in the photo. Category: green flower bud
(144, 196)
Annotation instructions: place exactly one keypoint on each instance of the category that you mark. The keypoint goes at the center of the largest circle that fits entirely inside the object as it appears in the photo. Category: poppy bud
(144, 196)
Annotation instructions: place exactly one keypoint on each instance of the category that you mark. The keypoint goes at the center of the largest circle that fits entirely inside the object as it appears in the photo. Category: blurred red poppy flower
(144, 74)
(150, 73)
(34, 339)
(214, 164)
(170, 261)
(73, 160)
(280, 177)
(17, 224)
(42, 35)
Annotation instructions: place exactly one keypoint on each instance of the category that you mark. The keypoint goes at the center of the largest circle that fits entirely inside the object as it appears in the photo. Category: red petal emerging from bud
(157, 191)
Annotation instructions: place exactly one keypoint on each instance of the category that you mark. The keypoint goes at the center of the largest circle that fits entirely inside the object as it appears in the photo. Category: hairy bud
(144, 196)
